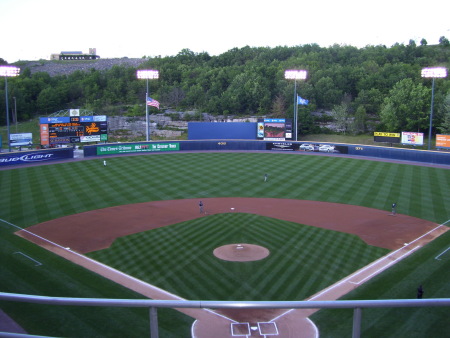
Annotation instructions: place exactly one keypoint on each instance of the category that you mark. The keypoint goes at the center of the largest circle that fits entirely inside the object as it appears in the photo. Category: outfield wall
(401, 154)
(114, 149)
(35, 156)
(222, 130)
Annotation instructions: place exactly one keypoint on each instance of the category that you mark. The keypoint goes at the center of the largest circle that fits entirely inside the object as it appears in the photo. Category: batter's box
(268, 329)
(240, 329)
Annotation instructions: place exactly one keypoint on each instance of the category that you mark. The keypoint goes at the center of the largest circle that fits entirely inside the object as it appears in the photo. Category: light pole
(147, 74)
(15, 112)
(295, 74)
(434, 72)
(8, 71)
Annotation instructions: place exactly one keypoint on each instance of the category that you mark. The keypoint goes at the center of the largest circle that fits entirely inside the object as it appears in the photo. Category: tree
(445, 110)
(443, 41)
(279, 106)
(342, 116)
(406, 107)
(359, 123)
(327, 93)
(49, 100)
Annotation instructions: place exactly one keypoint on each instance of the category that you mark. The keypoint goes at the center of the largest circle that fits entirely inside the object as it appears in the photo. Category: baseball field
(304, 259)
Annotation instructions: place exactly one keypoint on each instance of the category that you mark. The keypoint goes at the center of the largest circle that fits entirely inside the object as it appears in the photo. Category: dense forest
(361, 89)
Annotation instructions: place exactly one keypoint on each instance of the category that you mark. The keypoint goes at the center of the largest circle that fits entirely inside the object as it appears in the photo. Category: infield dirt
(97, 229)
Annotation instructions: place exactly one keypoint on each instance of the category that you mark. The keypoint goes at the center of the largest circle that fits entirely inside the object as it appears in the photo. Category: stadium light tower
(295, 74)
(436, 72)
(147, 74)
(8, 71)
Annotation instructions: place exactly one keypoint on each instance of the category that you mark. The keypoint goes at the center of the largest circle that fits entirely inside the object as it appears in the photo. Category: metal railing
(153, 305)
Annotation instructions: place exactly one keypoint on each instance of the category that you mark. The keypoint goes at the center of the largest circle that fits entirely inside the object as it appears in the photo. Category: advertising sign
(386, 137)
(412, 138)
(442, 141)
(23, 139)
(32, 157)
(136, 148)
(282, 146)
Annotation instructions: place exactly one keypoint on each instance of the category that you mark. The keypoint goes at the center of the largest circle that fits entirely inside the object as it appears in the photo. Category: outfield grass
(35, 194)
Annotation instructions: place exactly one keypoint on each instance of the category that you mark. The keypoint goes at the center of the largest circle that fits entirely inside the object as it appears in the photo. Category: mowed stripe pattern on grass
(179, 258)
(36, 194)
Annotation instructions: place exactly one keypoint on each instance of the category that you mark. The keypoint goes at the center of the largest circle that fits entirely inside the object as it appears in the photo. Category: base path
(97, 229)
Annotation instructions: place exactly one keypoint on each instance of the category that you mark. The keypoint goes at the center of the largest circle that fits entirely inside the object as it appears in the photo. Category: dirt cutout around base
(241, 252)
(72, 236)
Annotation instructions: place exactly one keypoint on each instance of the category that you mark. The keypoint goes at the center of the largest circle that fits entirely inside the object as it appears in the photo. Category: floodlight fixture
(295, 74)
(147, 74)
(8, 71)
(433, 72)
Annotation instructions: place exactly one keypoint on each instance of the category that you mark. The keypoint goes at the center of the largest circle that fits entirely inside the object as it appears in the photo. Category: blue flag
(302, 101)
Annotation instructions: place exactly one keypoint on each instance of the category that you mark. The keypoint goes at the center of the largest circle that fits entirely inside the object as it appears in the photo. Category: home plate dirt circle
(241, 252)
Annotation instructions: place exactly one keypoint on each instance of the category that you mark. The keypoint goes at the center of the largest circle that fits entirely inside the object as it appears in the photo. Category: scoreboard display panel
(274, 129)
(73, 129)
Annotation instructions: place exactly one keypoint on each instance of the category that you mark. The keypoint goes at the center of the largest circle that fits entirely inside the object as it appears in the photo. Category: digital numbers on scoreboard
(74, 129)
(65, 129)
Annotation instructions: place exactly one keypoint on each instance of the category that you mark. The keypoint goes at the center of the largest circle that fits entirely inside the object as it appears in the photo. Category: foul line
(368, 267)
(384, 267)
(437, 257)
(21, 253)
(111, 269)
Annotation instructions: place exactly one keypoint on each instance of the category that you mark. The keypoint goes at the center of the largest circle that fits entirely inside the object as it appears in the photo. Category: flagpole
(294, 74)
(146, 115)
(147, 74)
(295, 109)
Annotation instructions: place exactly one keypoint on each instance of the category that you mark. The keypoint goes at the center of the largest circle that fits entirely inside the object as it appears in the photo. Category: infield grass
(36, 194)
(179, 258)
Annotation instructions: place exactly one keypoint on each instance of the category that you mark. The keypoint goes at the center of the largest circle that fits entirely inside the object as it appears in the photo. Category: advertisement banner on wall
(412, 138)
(379, 136)
(442, 141)
(136, 148)
(282, 146)
(33, 157)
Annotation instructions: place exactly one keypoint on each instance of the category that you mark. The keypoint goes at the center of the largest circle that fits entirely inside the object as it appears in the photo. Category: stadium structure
(76, 55)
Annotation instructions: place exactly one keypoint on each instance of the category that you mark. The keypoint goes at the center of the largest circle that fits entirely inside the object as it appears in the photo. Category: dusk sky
(32, 30)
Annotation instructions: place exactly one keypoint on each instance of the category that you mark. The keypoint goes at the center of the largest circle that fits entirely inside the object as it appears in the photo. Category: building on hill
(76, 55)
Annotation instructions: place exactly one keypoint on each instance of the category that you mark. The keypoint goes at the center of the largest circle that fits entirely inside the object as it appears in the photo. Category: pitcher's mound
(241, 252)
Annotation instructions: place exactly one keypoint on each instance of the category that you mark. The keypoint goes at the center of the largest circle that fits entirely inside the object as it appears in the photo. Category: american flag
(152, 102)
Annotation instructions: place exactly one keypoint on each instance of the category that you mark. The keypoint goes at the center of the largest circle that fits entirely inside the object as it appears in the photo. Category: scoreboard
(274, 129)
(73, 129)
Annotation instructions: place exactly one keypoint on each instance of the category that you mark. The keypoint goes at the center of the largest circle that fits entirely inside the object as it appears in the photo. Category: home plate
(232, 208)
